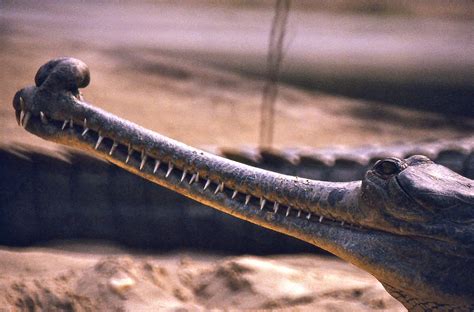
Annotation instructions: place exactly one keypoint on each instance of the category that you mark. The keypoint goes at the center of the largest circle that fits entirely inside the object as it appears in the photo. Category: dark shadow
(390, 115)
(451, 101)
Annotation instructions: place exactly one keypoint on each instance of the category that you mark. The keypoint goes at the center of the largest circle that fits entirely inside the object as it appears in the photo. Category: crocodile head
(410, 222)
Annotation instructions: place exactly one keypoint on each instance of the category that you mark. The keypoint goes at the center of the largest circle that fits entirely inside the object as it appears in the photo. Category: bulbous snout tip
(65, 73)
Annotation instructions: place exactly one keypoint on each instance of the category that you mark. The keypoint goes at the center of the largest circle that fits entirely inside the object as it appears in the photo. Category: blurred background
(353, 73)
(194, 70)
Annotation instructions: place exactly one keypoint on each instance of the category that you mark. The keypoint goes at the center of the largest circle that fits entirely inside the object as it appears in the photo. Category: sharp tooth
(208, 182)
(26, 118)
(197, 177)
(18, 114)
(44, 119)
(262, 202)
(308, 216)
(247, 199)
(299, 213)
(99, 140)
(64, 124)
(342, 223)
(130, 151)
(288, 211)
(113, 148)
(234, 194)
(275, 207)
(71, 123)
(219, 188)
(157, 165)
(193, 178)
(170, 168)
(22, 115)
(85, 131)
(22, 104)
(183, 176)
(142, 164)
(85, 122)
(321, 218)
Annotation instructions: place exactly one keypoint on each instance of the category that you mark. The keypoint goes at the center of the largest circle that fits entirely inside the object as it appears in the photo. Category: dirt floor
(101, 277)
(201, 106)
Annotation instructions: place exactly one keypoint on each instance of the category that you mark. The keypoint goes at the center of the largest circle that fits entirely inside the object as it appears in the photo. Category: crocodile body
(409, 222)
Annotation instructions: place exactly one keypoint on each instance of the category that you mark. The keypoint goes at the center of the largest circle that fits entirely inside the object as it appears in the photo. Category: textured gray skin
(411, 220)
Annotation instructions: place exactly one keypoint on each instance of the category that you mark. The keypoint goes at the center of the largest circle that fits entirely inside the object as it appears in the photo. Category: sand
(91, 277)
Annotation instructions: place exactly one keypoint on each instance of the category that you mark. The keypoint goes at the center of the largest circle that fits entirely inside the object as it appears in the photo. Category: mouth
(162, 167)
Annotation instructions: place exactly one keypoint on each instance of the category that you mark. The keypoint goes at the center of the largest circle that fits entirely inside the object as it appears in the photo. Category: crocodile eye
(387, 167)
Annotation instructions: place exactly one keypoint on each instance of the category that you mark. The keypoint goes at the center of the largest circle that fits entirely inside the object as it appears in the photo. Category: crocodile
(408, 222)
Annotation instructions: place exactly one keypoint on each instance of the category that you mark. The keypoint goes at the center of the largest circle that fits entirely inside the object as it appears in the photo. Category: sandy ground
(78, 277)
(201, 106)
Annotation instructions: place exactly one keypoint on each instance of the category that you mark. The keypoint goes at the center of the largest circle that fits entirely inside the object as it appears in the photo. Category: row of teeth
(220, 186)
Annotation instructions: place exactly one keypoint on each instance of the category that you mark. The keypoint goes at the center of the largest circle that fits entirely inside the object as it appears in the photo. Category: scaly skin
(411, 221)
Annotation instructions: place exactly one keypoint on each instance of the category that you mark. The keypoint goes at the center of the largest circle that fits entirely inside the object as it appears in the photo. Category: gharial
(409, 222)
